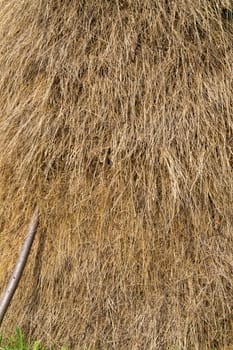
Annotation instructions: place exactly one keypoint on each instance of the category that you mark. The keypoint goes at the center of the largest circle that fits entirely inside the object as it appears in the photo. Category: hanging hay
(117, 122)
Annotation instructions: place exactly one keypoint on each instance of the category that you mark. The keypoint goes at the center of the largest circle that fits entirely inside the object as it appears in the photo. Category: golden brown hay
(116, 120)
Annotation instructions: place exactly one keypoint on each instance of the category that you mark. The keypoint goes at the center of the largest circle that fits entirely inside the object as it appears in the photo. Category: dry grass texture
(116, 120)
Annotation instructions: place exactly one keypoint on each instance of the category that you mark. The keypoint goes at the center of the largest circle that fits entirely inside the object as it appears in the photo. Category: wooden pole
(19, 267)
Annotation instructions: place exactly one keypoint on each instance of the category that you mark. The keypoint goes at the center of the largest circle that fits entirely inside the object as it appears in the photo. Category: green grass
(17, 342)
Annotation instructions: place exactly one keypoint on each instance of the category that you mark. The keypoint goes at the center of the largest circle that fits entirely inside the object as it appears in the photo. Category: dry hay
(116, 120)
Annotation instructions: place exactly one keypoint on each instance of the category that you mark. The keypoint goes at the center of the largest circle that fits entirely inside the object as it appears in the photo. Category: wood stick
(19, 267)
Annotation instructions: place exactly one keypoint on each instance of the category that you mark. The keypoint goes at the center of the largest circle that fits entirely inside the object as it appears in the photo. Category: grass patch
(17, 342)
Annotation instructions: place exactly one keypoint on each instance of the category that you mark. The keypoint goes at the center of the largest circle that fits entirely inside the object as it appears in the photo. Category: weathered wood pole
(19, 267)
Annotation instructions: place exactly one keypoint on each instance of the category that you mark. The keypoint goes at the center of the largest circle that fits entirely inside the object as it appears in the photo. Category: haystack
(116, 121)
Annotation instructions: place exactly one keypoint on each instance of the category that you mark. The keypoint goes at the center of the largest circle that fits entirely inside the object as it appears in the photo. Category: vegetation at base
(17, 342)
